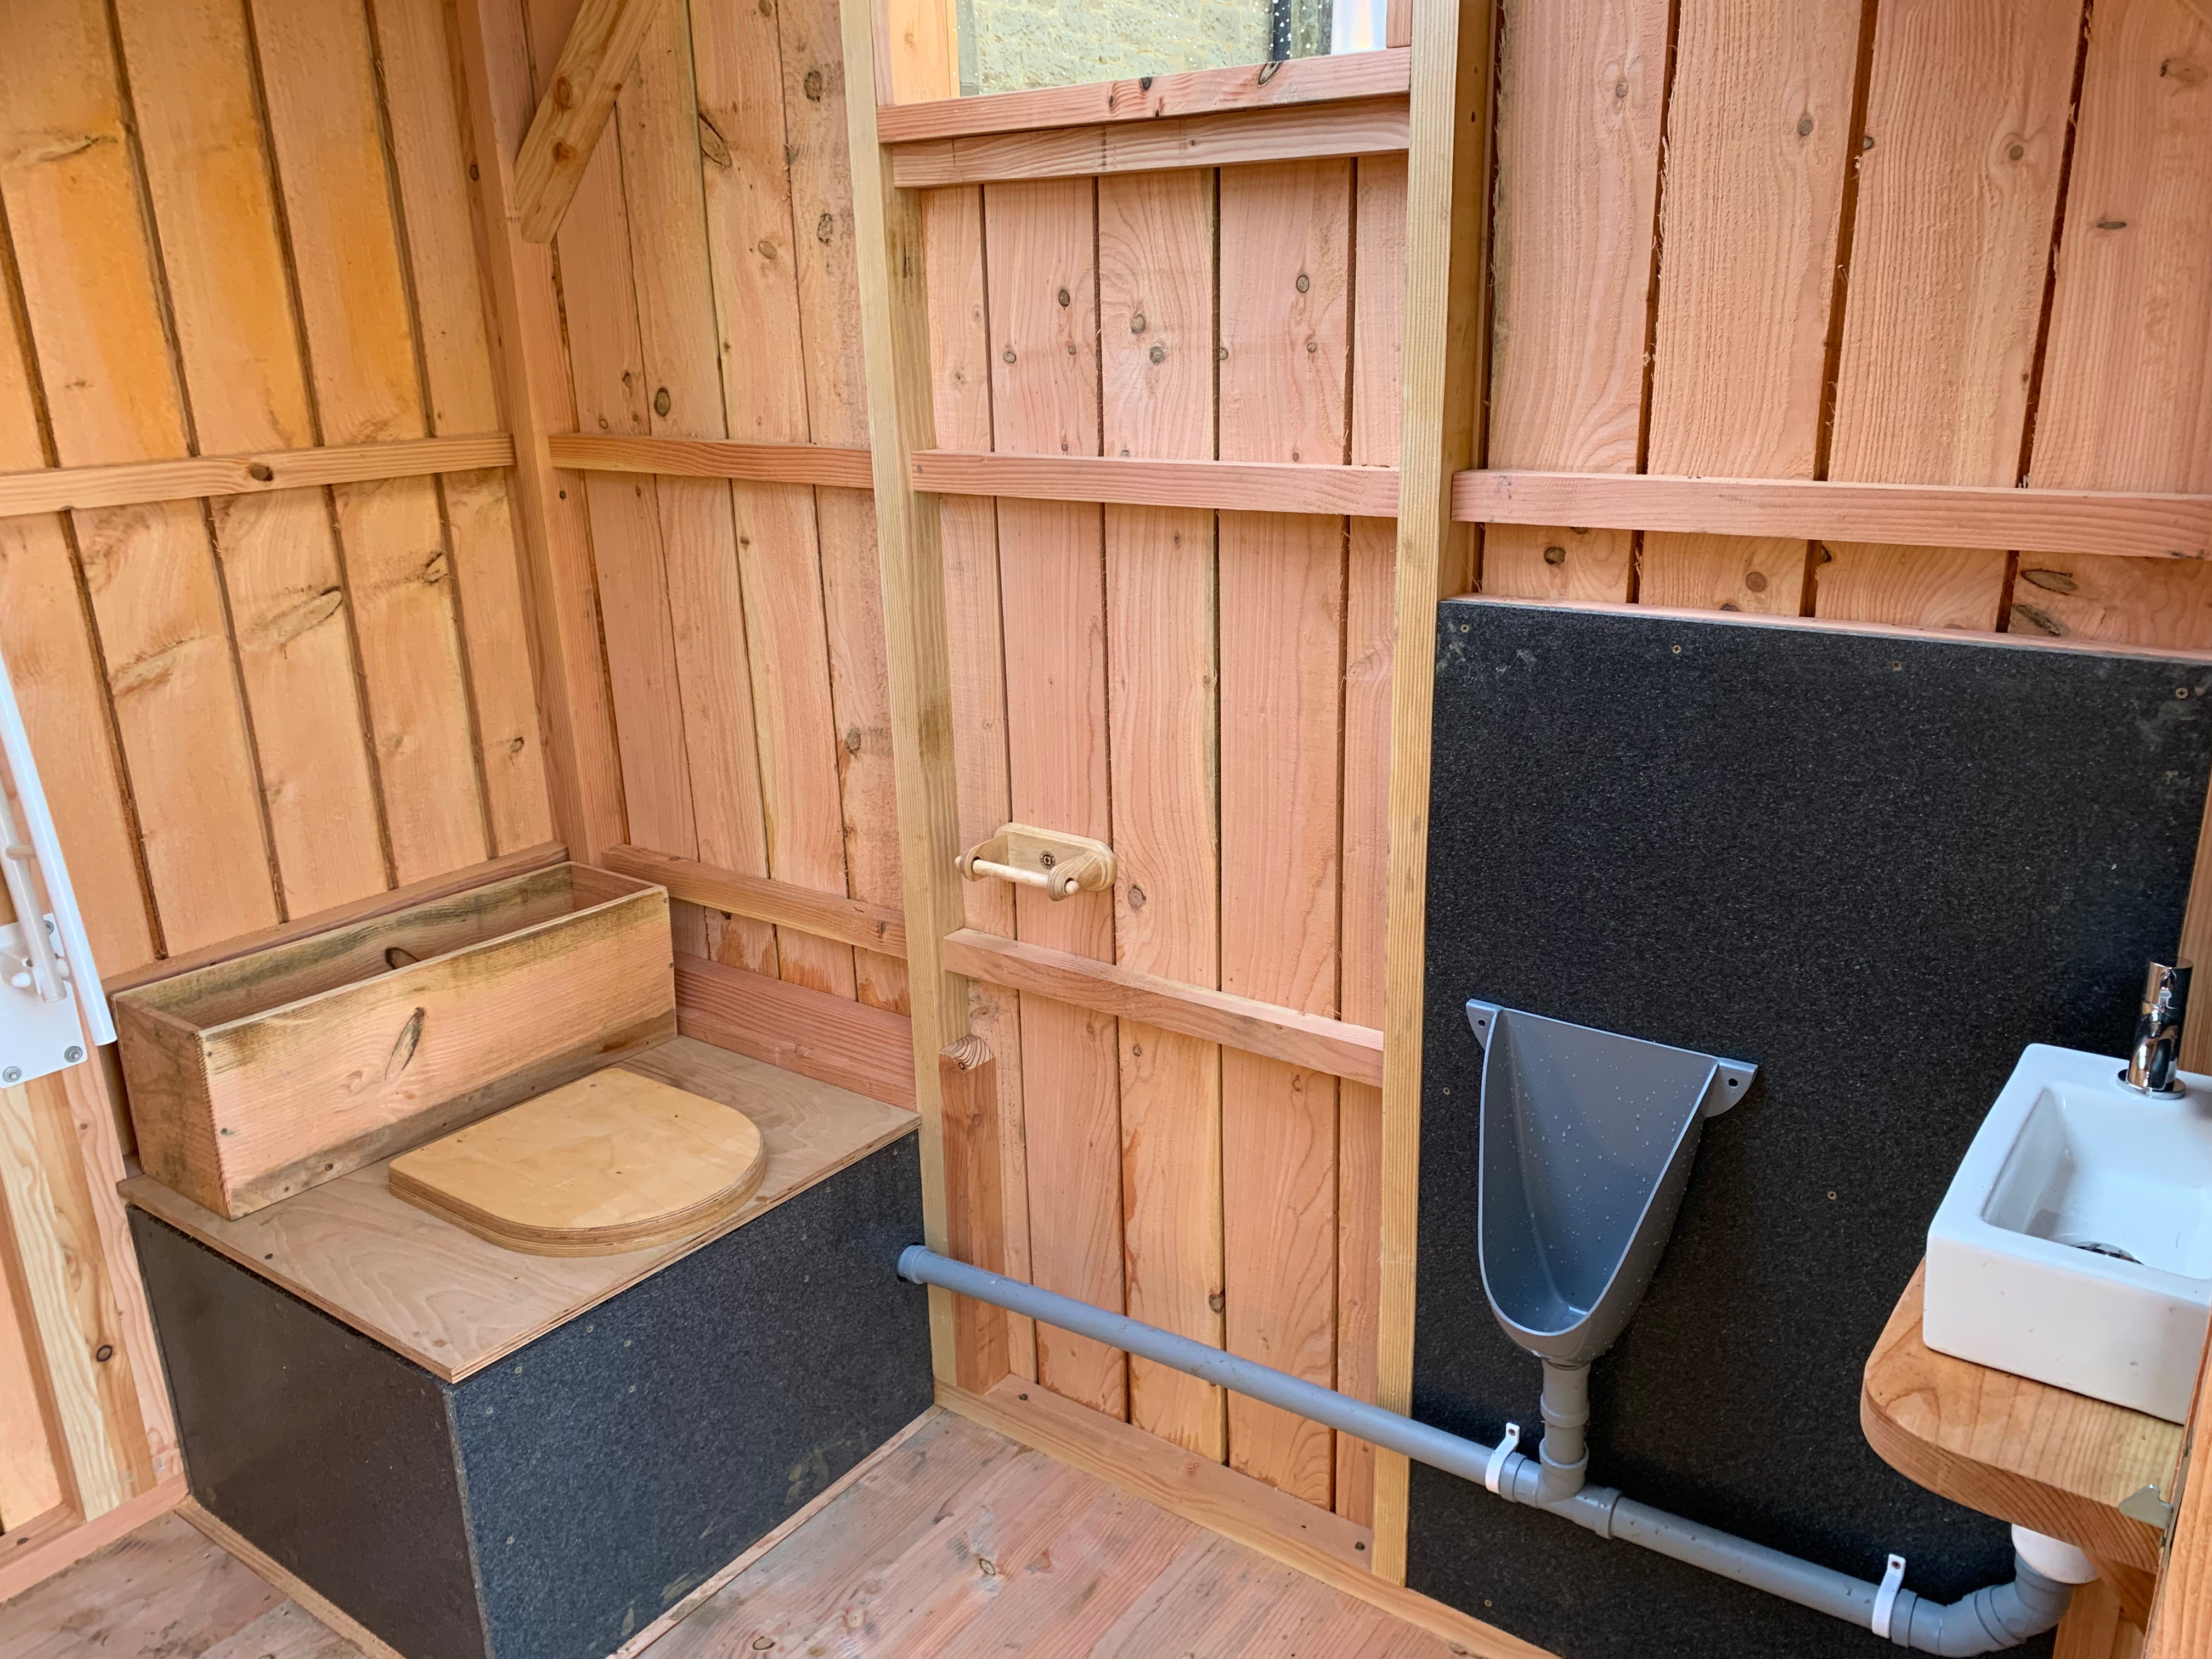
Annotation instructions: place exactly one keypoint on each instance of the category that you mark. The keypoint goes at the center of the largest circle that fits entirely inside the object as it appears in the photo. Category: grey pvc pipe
(1987, 1621)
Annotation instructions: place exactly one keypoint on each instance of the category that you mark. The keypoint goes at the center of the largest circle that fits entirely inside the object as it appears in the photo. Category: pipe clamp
(1506, 1444)
(1885, 1598)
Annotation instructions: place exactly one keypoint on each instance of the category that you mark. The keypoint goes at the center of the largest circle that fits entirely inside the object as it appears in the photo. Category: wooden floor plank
(163, 1590)
(957, 1542)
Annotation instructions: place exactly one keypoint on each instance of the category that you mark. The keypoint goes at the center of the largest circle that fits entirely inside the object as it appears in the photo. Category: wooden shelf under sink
(2020, 1450)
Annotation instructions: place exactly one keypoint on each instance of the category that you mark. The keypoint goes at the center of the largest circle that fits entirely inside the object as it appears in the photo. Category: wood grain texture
(960, 352)
(1363, 127)
(597, 55)
(61, 684)
(610, 1163)
(452, 1302)
(868, 926)
(151, 1576)
(322, 1629)
(252, 1079)
(1579, 95)
(2180, 1617)
(1312, 1543)
(962, 1541)
(2022, 1451)
(377, 904)
(30, 1477)
(1123, 479)
(2130, 330)
(887, 256)
(834, 1040)
(60, 1262)
(818, 139)
(92, 310)
(583, 772)
(1156, 325)
(1758, 141)
(1444, 353)
(1310, 1042)
(1150, 98)
(207, 184)
(1041, 243)
(733, 730)
(917, 51)
(699, 458)
(1958, 189)
(1285, 328)
(2119, 523)
(318, 79)
(1370, 575)
(975, 1208)
(430, 167)
(261, 472)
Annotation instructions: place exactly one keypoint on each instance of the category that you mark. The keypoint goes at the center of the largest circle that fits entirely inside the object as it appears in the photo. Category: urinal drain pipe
(1987, 1621)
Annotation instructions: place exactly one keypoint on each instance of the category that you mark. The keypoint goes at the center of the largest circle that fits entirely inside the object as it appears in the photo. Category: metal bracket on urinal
(1731, 1078)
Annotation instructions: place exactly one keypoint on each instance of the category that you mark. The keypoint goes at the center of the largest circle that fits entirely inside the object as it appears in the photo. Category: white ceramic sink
(2070, 1169)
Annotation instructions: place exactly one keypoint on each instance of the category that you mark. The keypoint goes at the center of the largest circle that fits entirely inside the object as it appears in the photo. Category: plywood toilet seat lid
(610, 1163)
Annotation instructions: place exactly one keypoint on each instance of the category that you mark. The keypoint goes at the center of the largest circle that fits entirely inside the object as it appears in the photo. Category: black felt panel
(615, 1463)
(328, 1451)
(1877, 866)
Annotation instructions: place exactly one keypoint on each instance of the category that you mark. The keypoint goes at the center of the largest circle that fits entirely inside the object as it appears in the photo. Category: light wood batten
(2152, 526)
(73, 489)
(825, 915)
(831, 465)
(601, 47)
(1313, 1040)
(1367, 126)
(1446, 366)
(1151, 98)
(1245, 486)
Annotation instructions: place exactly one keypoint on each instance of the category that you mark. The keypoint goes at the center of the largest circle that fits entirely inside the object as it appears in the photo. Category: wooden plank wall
(1916, 243)
(1856, 243)
(707, 291)
(225, 229)
(1210, 695)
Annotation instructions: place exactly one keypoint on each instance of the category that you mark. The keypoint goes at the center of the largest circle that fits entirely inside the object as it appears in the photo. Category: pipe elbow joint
(1991, 1620)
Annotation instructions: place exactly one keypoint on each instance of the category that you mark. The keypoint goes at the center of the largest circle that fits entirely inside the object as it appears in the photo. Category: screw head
(13, 1074)
(72, 1054)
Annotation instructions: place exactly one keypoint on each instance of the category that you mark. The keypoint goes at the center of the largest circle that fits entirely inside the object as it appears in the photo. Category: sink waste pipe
(1987, 1621)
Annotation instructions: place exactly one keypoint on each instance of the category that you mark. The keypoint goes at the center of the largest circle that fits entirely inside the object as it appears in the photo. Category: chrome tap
(2154, 1062)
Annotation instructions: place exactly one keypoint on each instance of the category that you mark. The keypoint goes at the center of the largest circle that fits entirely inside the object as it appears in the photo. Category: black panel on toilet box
(1875, 865)
(555, 1502)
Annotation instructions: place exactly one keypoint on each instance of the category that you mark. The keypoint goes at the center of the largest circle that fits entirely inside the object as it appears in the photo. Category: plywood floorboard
(958, 1543)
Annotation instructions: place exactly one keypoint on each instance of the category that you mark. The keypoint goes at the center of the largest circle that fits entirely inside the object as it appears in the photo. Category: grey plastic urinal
(1586, 1144)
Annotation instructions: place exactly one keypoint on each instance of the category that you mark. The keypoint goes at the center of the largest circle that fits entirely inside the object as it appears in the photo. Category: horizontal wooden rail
(826, 915)
(1232, 486)
(65, 489)
(1366, 126)
(1353, 1052)
(1155, 97)
(713, 458)
(1912, 515)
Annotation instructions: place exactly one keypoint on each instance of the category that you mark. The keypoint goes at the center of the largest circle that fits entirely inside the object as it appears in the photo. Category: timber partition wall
(1937, 250)
(1139, 363)
(258, 584)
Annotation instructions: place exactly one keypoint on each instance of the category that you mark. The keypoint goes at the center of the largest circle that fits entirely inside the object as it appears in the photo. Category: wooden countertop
(453, 1303)
(2022, 1451)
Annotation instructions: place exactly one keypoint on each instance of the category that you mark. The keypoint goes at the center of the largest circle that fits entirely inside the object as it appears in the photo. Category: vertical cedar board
(238, 1115)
